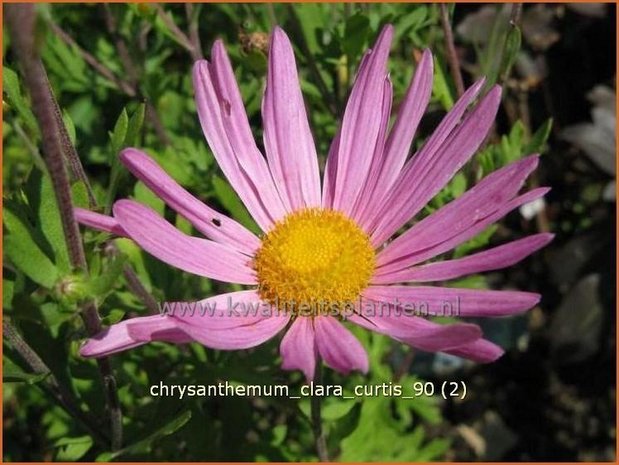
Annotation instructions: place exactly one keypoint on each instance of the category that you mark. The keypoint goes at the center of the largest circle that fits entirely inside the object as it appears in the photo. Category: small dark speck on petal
(216, 222)
(225, 104)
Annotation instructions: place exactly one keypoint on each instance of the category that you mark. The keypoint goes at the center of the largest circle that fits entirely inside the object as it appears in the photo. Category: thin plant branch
(452, 56)
(516, 15)
(103, 70)
(272, 15)
(136, 286)
(194, 36)
(32, 148)
(316, 417)
(133, 282)
(404, 366)
(21, 21)
(179, 35)
(50, 384)
(131, 69)
(75, 165)
(120, 45)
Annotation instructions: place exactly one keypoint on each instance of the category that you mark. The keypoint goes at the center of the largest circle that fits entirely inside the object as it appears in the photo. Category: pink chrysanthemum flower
(333, 245)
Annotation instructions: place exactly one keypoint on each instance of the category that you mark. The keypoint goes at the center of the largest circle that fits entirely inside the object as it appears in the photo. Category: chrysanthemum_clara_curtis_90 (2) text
(311, 389)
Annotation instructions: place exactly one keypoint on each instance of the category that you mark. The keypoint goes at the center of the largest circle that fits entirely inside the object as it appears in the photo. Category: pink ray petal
(223, 311)
(360, 126)
(400, 139)
(118, 337)
(195, 255)
(488, 260)
(331, 165)
(328, 187)
(98, 221)
(368, 190)
(453, 241)
(298, 347)
(449, 301)
(338, 347)
(241, 337)
(425, 157)
(161, 328)
(481, 351)
(209, 222)
(485, 198)
(288, 141)
(421, 181)
(240, 134)
(216, 117)
(419, 332)
(460, 339)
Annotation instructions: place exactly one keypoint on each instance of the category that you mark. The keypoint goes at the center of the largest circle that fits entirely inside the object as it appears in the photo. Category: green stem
(315, 406)
(452, 56)
(21, 21)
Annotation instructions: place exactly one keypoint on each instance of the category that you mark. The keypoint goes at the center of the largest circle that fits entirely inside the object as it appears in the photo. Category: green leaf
(27, 257)
(377, 427)
(50, 223)
(145, 445)
(410, 22)
(335, 408)
(8, 288)
(163, 27)
(345, 425)
(144, 195)
(475, 281)
(10, 376)
(510, 148)
(433, 450)
(424, 407)
(510, 51)
(79, 194)
(440, 88)
(118, 139)
(113, 317)
(21, 248)
(539, 139)
(100, 286)
(66, 61)
(72, 449)
(118, 135)
(12, 373)
(134, 129)
(12, 89)
(355, 35)
(482, 239)
(279, 434)
(310, 19)
(68, 123)
(511, 145)
(490, 57)
(256, 61)
(458, 185)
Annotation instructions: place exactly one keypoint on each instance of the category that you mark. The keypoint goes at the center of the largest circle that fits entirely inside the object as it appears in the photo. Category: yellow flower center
(314, 261)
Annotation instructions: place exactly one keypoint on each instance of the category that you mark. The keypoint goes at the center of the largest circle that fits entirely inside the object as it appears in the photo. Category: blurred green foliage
(145, 100)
